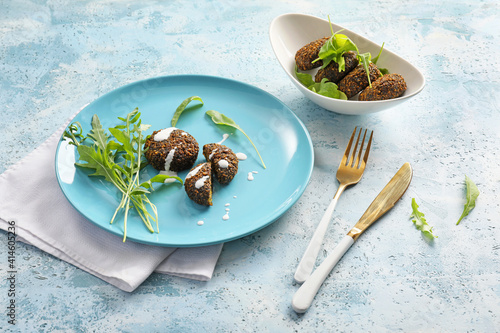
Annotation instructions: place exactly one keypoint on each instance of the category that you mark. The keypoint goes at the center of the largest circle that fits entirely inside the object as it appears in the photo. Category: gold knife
(386, 199)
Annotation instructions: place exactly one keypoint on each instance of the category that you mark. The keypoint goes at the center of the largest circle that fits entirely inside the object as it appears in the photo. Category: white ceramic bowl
(289, 32)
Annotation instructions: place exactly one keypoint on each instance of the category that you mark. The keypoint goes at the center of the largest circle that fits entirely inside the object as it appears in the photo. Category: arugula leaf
(97, 133)
(304, 78)
(97, 160)
(471, 196)
(158, 179)
(325, 87)
(383, 71)
(328, 89)
(74, 134)
(220, 119)
(182, 107)
(420, 222)
(139, 190)
(124, 138)
(120, 163)
(112, 145)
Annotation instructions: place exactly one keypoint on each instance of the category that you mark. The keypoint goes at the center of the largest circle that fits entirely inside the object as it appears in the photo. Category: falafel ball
(331, 71)
(198, 184)
(307, 54)
(224, 162)
(387, 87)
(171, 149)
(357, 80)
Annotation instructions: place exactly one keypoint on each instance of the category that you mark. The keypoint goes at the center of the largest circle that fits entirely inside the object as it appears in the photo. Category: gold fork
(350, 171)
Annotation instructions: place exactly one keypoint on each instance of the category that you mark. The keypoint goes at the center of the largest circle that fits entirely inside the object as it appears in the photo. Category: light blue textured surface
(56, 56)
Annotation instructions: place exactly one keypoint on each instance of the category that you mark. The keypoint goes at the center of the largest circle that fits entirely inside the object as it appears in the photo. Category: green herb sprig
(365, 59)
(180, 109)
(420, 221)
(375, 60)
(472, 192)
(120, 163)
(74, 134)
(325, 87)
(220, 119)
(333, 50)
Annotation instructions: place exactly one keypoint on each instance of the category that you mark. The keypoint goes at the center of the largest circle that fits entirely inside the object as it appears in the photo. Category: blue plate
(282, 140)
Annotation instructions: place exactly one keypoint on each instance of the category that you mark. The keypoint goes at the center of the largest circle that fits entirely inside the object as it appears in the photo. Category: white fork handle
(304, 296)
(308, 260)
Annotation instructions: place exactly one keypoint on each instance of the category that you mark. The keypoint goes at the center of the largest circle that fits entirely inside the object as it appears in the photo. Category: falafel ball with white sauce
(171, 149)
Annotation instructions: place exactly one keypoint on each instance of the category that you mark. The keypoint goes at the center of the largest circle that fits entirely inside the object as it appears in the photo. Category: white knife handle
(306, 293)
(309, 258)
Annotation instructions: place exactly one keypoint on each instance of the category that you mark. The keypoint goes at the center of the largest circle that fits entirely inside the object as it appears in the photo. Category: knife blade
(384, 201)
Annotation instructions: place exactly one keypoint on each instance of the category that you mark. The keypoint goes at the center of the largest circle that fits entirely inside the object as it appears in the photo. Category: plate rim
(276, 214)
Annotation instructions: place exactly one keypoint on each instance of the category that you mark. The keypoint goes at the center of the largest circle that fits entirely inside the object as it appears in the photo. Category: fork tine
(353, 156)
(357, 164)
(365, 158)
(346, 153)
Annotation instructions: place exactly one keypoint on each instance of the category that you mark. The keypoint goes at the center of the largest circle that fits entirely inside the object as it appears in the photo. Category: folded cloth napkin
(31, 200)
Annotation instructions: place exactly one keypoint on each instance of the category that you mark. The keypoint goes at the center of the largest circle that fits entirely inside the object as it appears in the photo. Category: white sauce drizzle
(241, 156)
(255, 172)
(200, 222)
(169, 158)
(164, 134)
(227, 205)
(234, 197)
(212, 154)
(226, 216)
(224, 137)
(223, 164)
(200, 182)
(194, 171)
(250, 176)
(227, 209)
(169, 173)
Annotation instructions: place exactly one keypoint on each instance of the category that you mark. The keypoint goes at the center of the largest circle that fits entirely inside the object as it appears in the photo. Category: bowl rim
(349, 33)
